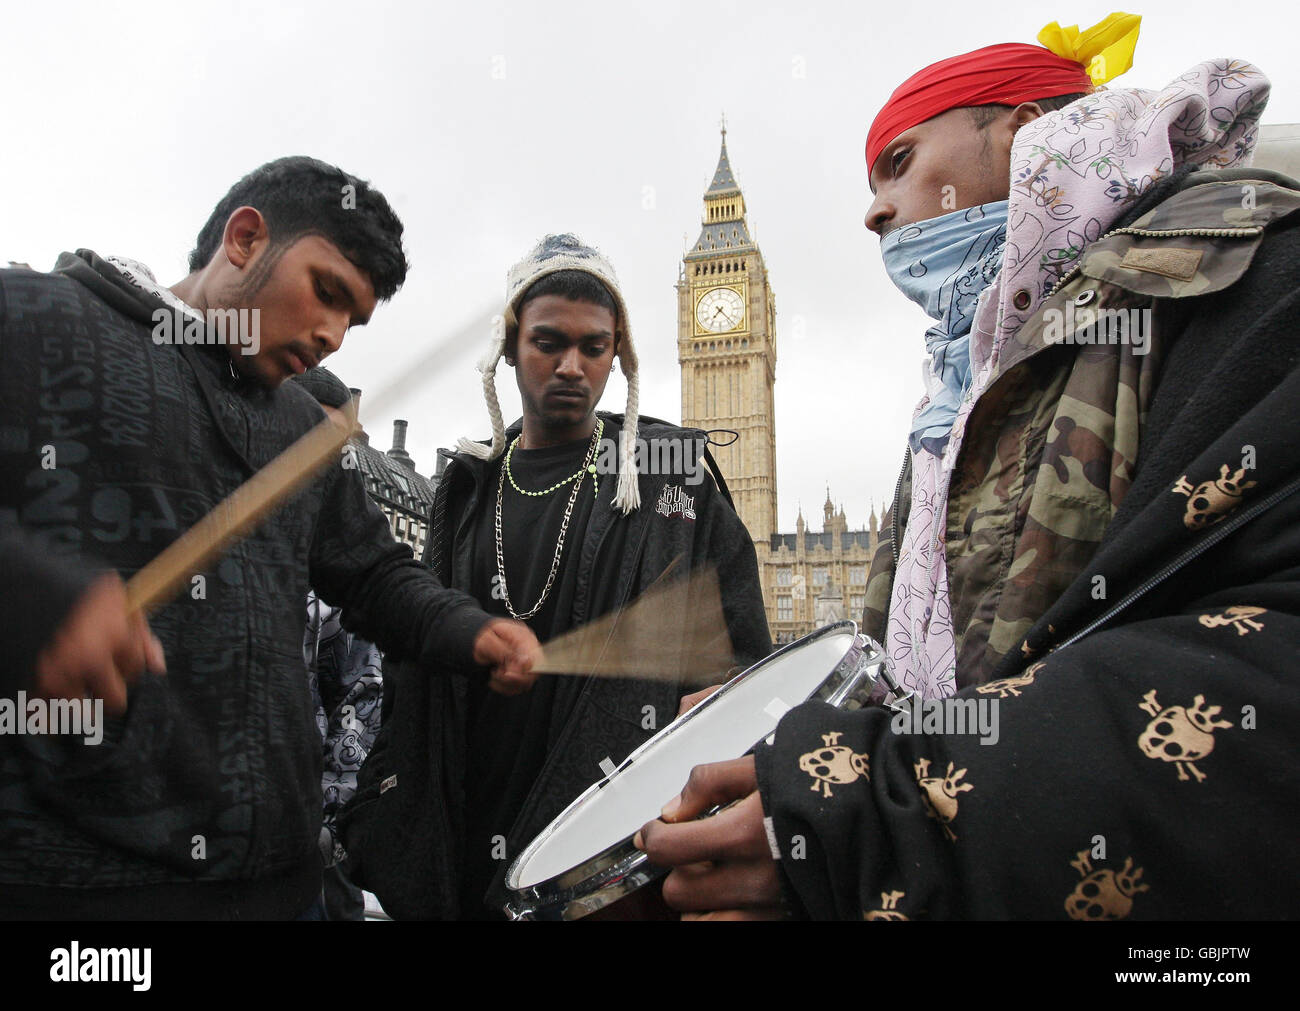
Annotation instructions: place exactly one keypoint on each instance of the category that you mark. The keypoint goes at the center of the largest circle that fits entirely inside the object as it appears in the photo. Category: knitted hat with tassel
(553, 254)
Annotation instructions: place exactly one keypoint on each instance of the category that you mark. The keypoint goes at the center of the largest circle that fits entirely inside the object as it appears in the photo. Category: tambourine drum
(584, 860)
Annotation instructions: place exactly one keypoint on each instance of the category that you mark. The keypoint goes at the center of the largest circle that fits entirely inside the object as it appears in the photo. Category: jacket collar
(1194, 234)
(232, 400)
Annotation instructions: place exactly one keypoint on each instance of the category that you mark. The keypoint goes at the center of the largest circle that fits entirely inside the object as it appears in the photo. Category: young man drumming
(128, 413)
(552, 524)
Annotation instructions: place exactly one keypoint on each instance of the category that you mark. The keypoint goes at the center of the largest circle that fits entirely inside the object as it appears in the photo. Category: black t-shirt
(508, 737)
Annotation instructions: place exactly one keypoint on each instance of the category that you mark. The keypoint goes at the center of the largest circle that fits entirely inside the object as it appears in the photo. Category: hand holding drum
(593, 855)
(722, 866)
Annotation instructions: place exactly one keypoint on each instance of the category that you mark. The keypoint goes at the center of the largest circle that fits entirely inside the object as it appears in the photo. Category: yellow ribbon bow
(1105, 49)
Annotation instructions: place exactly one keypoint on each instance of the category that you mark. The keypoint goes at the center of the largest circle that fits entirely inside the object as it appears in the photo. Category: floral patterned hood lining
(1074, 172)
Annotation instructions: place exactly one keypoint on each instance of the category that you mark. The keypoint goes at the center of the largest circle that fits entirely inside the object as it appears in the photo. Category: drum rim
(618, 869)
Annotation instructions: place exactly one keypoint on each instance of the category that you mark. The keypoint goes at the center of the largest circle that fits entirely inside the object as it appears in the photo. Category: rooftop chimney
(398, 452)
(360, 435)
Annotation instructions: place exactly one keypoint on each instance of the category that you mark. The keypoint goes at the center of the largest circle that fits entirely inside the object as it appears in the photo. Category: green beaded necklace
(587, 468)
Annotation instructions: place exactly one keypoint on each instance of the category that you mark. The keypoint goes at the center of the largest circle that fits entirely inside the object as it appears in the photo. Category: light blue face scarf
(943, 264)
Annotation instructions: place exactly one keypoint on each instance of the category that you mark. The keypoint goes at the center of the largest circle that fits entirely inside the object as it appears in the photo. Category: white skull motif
(835, 763)
(1241, 617)
(1210, 501)
(939, 793)
(1180, 735)
(888, 907)
(1104, 894)
(1007, 687)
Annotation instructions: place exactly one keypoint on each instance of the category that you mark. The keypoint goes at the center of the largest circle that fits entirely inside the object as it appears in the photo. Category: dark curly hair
(299, 196)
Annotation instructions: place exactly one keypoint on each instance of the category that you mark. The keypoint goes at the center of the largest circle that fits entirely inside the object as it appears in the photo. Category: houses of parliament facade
(726, 346)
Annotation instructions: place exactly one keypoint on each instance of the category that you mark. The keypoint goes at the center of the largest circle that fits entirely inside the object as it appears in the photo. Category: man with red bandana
(1090, 580)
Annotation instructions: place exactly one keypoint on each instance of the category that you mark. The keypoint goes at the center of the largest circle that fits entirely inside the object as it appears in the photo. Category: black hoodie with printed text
(204, 799)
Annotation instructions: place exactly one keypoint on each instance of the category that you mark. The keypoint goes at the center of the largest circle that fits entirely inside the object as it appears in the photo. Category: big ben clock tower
(726, 346)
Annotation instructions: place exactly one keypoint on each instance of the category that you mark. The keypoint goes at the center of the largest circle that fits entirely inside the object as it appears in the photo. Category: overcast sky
(488, 127)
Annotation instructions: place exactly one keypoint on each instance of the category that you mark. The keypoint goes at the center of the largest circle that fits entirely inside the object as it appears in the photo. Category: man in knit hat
(558, 519)
(1106, 402)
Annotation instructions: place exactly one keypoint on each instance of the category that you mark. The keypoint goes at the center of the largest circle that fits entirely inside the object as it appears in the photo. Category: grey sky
(488, 127)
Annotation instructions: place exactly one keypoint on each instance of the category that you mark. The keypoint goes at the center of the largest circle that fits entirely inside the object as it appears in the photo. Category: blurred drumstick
(467, 338)
(237, 514)
(675, 631)
(248, 504)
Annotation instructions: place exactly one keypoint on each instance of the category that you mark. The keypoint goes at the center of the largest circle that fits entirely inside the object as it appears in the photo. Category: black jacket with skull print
(1135, 758)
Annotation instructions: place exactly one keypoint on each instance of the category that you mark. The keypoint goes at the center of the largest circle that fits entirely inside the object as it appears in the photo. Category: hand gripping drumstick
(674, 631)
(248, 504)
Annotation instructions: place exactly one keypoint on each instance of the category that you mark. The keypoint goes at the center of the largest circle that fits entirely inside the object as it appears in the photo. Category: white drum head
(725, 726)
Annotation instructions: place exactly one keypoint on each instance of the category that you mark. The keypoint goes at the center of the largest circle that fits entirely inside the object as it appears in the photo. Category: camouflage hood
(1074, 173)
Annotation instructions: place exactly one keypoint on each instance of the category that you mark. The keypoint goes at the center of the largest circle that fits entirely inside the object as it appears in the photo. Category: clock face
(720, 310)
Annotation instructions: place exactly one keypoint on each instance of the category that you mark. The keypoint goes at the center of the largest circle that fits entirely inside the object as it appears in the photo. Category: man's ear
(1025, 112)
(512, 345)
(245, 236)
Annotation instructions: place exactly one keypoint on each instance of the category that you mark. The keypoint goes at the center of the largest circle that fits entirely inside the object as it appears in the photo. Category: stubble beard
(243, 295)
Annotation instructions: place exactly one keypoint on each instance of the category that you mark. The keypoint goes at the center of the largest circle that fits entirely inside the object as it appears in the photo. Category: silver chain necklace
(559, 544)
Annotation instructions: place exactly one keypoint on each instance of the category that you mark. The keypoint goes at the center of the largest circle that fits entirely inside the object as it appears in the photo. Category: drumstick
(675, 631)
(244, 508)
(236, 515)
(627, 643)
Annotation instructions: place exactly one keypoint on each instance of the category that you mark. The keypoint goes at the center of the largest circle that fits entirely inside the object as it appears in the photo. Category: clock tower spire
(726, 346)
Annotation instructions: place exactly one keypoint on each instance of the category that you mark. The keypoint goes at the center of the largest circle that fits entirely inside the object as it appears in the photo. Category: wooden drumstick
(246, 506)
(237, 514)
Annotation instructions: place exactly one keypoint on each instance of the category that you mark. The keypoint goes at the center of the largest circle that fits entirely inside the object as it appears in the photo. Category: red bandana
(995, 75)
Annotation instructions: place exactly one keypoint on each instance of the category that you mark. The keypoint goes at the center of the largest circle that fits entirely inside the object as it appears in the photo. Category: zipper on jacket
(1245, 232)
(1193, 552)
(898, 491)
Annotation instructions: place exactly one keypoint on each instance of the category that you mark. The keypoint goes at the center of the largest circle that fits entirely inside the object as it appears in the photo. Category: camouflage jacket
(1131, 755)
(1053, 444)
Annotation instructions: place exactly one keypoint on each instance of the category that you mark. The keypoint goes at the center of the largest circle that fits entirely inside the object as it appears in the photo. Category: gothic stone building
(726, 346)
